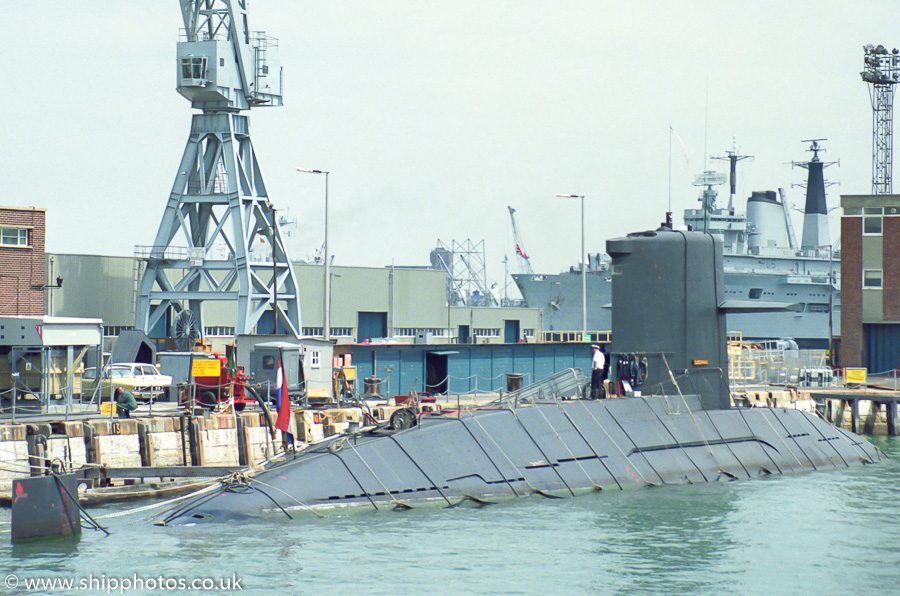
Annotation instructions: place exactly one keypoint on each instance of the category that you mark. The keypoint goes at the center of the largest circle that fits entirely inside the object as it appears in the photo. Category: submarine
(678, 426)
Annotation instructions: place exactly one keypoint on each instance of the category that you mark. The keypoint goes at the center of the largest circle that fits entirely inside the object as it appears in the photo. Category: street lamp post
(831, 305)
(583, 265)
(326, 306)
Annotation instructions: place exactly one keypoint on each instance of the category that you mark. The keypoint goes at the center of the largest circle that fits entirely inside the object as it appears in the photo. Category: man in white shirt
(598, 362)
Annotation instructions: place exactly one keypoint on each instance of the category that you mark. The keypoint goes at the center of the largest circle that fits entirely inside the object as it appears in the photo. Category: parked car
(142, 379)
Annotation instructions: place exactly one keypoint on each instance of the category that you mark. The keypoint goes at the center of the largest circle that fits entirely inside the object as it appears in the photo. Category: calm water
(832, 532)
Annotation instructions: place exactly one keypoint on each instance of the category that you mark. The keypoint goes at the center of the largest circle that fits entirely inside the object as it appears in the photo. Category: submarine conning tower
(666, 290)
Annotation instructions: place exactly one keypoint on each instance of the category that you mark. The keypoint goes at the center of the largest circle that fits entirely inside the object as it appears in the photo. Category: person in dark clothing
(125, 402)
(605, 374)
(598, 363)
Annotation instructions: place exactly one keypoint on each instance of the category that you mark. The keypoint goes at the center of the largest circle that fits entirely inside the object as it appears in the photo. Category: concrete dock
(109, 451)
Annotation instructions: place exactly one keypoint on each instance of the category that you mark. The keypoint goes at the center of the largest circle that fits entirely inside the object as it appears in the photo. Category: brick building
(22, 275)
(870, 282)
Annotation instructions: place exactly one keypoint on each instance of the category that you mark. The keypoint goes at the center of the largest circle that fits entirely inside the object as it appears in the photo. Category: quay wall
(872, 414)
(30, 449)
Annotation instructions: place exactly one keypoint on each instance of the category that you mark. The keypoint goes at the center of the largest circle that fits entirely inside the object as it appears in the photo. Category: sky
(434, 117)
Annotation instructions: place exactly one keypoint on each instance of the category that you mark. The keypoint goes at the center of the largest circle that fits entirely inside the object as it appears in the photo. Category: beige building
(408, 304)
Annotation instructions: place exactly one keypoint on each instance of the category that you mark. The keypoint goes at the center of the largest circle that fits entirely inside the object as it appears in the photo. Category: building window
(218, 331)
(487, 332)
(193, 70)
(314, 357)
(528, 333)
(872, 220)
(115, 330)
(414, 331)
(312, 331)
(817, 307)
(871, 279)
(14, 236)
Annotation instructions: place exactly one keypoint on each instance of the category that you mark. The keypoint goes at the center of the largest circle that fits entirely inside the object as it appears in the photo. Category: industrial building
(400, 369)
(409, 304)
(870, 284)
(22, 260)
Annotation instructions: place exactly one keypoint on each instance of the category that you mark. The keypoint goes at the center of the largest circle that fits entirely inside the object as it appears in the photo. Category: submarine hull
(556, 449)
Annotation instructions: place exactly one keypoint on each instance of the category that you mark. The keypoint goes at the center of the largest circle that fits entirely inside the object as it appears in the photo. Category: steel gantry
(219, 206)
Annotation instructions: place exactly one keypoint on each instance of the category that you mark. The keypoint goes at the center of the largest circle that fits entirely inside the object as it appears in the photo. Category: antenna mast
(732, 157)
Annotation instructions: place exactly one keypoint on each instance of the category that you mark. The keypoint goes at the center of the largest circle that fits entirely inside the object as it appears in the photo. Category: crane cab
(208, 73)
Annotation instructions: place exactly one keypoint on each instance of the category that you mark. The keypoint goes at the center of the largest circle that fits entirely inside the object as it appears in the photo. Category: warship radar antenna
(708, 198)
(219, 207)
(881, 72)
(733, 157)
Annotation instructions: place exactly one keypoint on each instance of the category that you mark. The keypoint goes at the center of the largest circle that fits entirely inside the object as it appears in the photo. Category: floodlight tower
(882, 70)
(218, 205)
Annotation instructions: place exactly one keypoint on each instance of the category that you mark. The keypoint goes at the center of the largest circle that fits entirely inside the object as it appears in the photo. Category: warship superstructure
(762, 261)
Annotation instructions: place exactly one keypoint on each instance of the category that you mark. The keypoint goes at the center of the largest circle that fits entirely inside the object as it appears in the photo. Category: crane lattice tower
(219, 206)
(882, 70)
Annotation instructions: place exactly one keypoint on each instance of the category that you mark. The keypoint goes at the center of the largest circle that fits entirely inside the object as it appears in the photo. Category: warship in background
(762, 261)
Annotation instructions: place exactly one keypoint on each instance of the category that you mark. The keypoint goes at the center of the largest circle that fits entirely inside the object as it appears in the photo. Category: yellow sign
(205, 367)
(701, 362)
(855, 375)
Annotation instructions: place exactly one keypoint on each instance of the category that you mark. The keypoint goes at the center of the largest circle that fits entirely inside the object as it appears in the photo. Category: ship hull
(553, 450)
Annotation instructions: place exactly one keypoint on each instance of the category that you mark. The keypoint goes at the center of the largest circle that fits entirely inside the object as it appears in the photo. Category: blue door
(371, 325)
(511, 332)
(882, 344)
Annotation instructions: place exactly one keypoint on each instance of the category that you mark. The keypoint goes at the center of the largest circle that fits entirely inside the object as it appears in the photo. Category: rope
(374, 475)
(157, 505)
(621, 451)
(533, 488)
(546, 458)
(239, 483)
(774, 430)
(594, 451)
(433, 483)
(490, 459)
(290, 496)
(693, 418)
(855, 444)
(74, 498)
(575, 459)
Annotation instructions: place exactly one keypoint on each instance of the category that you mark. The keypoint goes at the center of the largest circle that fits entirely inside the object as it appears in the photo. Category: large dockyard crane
(219, 206)
(521, 256)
